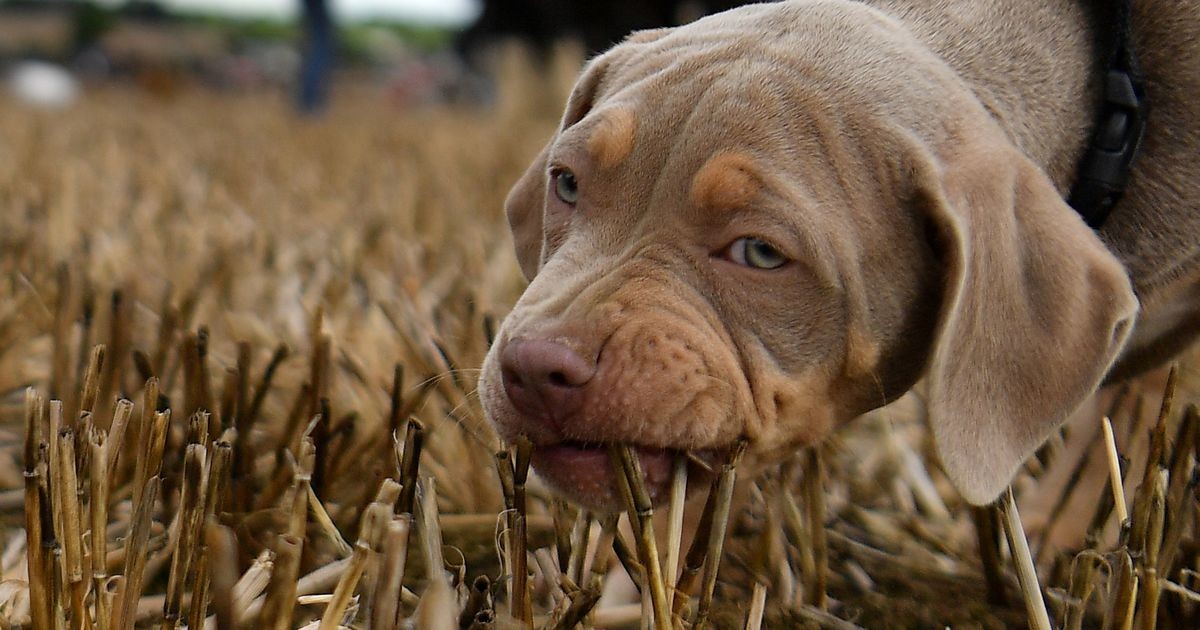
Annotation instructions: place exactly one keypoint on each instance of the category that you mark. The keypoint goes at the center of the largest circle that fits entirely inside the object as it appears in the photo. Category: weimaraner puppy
(767, 222)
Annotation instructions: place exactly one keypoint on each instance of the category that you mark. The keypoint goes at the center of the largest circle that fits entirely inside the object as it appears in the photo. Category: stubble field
(308, 298)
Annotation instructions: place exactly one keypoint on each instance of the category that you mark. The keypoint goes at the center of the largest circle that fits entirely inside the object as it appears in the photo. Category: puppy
(765, 223)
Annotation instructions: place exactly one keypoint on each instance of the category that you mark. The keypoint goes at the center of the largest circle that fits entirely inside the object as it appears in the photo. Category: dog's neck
(1033, 67)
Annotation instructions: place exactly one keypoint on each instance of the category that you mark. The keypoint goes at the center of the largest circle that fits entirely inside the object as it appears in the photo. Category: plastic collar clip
(1104, 171)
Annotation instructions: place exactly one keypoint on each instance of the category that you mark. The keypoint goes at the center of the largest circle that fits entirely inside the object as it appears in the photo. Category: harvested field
(296, 309)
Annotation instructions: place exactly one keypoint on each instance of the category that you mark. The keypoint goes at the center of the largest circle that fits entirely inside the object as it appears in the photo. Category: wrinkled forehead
(679, 109)
(716, 130)
(783, 78)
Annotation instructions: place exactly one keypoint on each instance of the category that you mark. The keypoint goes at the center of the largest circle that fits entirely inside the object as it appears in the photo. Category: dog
(763, 224)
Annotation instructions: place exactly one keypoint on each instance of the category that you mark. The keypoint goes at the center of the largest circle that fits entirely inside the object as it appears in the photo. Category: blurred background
(411, 52)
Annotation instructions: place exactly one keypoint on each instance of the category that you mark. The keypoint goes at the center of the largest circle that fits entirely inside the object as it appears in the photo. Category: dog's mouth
(585, 473)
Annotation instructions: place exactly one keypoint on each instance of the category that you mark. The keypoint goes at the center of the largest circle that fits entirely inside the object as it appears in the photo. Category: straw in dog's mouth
(582, 471)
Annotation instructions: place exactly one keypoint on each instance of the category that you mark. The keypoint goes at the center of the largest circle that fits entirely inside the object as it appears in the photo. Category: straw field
(238, 357)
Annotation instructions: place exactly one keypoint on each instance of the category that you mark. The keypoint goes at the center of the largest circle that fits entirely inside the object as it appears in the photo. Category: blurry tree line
(317, 42)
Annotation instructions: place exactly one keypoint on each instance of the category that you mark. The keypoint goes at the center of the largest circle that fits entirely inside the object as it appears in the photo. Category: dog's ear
(1034, 312)
(526, 202)
(583, 95)
(524, 207)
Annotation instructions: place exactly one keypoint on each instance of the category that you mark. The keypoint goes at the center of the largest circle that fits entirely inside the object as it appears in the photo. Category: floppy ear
(524, 206)
(1035, 312)
(526, 202)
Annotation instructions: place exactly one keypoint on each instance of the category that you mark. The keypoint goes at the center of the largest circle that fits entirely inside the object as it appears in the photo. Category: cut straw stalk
(302, 477)
(217, 477)
(582, 603)
(514, 551)
(1114, 471)
(521, 457)
(91, 380)
(325, 522)
(190, 519)
(627, 556)
(336, 609)
(1183, 485)
(551, 578)
(157, 443)
(1156, 458)
(35, 505)
(437, 606)
(1031, 590)
(281, 590)
(1150, 587)
(386, 610)
(248, 590)
(144, 429)
(565, 520)
(758, 607)
(409, 464)
(216, 471)
(1124, 594)
(578, 541)
(641, 510)
(372, 527)
(716, 535)
(98, 511)
(135, 556)
(1083, 582)
(693, 561)
(55, 489)
(431, 531)
(598, 569)
(197, 602)
(66, 481)
(477, 601)
(122, 411)
(679, 479)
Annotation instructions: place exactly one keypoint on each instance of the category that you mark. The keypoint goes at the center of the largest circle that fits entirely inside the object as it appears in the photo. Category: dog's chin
(583, 473)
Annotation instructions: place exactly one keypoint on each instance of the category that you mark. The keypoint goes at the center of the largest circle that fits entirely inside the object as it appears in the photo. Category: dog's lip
(583, 472)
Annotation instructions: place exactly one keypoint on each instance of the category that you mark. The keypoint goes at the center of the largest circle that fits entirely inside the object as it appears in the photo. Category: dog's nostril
(513, 377)
(541, 375)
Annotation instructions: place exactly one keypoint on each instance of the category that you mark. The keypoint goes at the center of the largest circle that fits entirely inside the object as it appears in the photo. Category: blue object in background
(317, 57)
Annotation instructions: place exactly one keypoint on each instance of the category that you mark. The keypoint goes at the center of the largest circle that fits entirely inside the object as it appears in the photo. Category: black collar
(1120, 121)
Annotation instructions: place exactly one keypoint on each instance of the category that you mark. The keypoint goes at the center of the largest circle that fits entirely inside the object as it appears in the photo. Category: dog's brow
(728, 179)
(612, 138)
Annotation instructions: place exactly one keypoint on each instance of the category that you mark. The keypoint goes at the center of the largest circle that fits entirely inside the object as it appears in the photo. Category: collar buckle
(1104, 170)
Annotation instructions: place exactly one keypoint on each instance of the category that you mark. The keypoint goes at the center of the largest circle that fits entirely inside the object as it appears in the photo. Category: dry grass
(296, 308)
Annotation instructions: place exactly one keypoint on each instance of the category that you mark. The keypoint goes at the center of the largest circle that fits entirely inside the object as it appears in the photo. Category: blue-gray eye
(756, 253)
(566, 188)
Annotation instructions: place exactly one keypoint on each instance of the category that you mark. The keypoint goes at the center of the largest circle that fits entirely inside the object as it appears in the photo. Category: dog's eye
(756, 253)
(566, 188)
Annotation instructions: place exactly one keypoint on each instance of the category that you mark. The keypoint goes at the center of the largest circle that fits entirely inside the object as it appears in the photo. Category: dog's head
(766, 223)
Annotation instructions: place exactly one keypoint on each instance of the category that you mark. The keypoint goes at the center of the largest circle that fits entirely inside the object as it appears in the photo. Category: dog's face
(728, 243)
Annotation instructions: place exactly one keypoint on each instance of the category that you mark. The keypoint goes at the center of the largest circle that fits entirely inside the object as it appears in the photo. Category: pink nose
(544, 379)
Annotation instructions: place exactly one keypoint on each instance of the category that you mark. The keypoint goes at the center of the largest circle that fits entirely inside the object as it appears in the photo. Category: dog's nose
(544, 379)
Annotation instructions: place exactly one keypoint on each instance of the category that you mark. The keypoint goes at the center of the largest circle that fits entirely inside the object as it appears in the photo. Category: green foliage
(89, 23)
